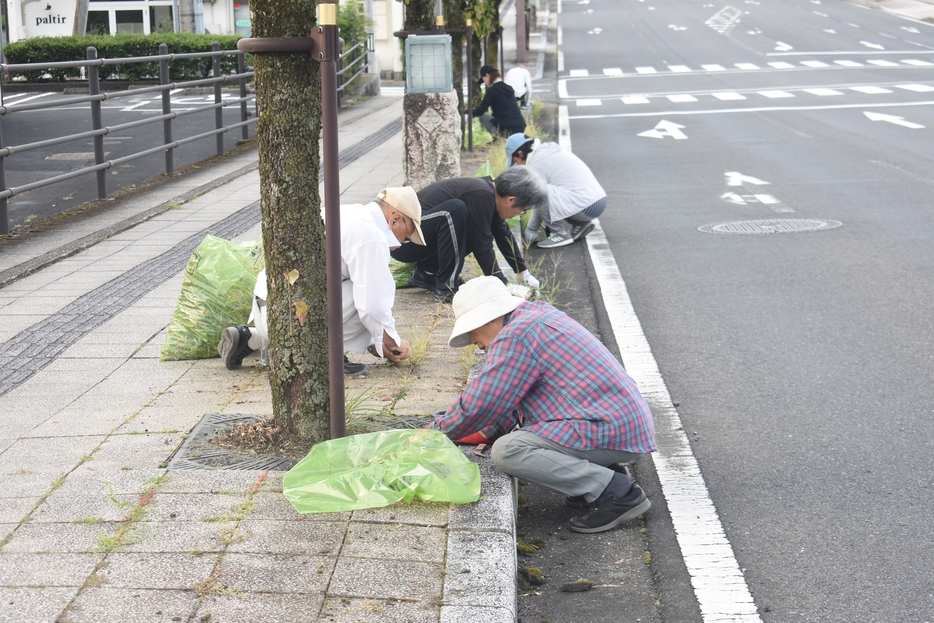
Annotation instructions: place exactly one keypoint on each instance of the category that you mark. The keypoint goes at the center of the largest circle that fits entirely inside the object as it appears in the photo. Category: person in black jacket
(504, 117)
(464, 215)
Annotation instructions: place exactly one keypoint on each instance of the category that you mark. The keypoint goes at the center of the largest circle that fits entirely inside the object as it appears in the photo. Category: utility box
(428, 64)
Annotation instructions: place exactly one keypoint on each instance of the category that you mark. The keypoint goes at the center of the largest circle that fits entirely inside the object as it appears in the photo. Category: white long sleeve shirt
(365, 242)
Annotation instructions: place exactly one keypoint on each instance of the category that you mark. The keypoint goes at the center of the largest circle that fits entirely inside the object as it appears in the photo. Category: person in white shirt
(368, 233)
(520, 80)
(575, 197)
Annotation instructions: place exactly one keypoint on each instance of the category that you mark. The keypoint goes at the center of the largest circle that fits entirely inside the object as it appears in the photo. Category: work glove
(530, 280)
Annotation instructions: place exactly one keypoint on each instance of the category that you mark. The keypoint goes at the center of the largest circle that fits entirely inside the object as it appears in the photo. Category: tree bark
(288, 96)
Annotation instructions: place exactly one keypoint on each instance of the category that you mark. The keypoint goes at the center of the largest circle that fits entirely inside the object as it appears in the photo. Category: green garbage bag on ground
(401, 272)
(217, 292)
(379, 469)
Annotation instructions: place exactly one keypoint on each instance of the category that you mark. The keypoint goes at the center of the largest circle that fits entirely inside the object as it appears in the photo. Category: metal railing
(357, 61)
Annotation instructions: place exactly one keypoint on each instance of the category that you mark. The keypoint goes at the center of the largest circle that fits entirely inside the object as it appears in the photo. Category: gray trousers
(537, 460)
(542, 216)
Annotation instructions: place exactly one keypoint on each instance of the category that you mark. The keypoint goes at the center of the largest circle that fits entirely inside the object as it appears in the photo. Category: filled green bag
(217, 292)
(401, 272)
(379, 469)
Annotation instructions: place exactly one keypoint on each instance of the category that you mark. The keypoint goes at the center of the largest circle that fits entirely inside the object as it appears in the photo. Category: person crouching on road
(368, 233)
(574, 409)
(575, 197)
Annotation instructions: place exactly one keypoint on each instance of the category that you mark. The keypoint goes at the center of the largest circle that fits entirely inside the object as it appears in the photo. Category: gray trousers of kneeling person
(542, 216)
(533, 458)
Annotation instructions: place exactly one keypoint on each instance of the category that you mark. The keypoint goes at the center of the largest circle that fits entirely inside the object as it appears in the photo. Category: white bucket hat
(476, 303)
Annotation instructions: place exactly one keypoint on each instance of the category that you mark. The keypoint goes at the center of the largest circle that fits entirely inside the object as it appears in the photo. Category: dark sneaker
(556, 240)
(578, 501)
(581, 231)
(421, 279)
(234, 346)
(353, 369)
(612, 512)
(444, 296)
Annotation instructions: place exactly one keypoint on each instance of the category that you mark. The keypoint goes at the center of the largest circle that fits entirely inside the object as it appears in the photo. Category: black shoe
(578, 501)
(234, 346)
(612, 512)
(581, 231)
(421, 279)
(353, 369)
(444, 296)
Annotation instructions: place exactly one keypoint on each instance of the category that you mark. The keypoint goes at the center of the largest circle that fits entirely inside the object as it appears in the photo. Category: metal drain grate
(197, 452)
(770, 226)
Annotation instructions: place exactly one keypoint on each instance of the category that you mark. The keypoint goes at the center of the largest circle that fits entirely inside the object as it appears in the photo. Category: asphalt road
(801, 363)
(38, 125)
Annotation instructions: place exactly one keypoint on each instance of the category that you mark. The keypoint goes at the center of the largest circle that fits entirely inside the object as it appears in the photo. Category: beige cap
(404, 199)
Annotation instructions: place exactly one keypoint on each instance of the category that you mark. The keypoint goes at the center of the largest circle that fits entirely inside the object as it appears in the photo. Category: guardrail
(357, 61)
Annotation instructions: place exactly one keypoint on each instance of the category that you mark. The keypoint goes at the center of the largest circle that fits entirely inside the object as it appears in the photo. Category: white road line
(822, 92)
(31, 97)
(814, 64)
(579, 73)
(681, 98)
(729, 95)
(775, 94)
(679, 69)
(646, 70)
(589, 102)
(882, 63)
(635, 99)
(713, 67)
(871, 90)
(849, 64)
(722, 111)
(781, 65)
(134, 106)
(718, 583)
(560, 62)
(916, 62)
(917, 88)
(612, 71)
(746, 66)
(851, 52)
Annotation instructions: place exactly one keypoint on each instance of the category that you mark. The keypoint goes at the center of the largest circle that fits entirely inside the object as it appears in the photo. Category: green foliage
(485, 15)
(352, 22)
(57, 49)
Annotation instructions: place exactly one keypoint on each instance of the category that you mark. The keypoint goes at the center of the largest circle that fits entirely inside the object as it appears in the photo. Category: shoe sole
(630, 514)
(589, 227)
(563, 243)
(230, 340)
(357, 373)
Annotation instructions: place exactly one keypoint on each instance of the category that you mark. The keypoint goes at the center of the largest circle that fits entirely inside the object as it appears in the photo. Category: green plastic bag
(379, 469)
(217, 292)
(401, 272)
(485, 170)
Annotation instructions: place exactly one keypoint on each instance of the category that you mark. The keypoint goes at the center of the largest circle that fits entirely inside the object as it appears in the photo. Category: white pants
(356, 336)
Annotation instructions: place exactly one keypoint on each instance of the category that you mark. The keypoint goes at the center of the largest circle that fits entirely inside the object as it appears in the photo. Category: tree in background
(288, 96)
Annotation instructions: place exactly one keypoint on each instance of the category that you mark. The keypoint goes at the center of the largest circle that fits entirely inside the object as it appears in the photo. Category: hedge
(56, 49)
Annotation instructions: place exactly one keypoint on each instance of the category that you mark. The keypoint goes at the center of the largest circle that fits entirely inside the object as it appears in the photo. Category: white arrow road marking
(878, 116)
(874, 46)
(781, 46)
(663, 129)
(733, 198)
(136, 105)
(735, 178)
(830, 30)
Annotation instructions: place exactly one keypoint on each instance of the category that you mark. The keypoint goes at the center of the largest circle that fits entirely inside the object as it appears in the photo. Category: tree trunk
(288, 96)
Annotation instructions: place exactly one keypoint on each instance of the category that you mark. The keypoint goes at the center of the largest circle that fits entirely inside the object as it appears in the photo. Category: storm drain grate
(197, 451)
(770, 226)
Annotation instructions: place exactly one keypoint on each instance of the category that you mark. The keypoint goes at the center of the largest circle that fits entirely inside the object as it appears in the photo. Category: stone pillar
(433, 138)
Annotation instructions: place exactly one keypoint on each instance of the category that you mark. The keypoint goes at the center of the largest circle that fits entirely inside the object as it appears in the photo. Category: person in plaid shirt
(561, 408)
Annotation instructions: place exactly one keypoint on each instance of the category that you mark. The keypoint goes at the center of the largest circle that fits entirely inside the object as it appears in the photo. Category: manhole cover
(197, 451)
(770, 226)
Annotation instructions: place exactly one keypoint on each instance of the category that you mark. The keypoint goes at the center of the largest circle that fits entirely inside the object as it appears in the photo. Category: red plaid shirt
(547, 374)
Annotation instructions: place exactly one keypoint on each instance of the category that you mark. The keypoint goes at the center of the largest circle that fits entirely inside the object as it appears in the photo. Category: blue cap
(513, 143)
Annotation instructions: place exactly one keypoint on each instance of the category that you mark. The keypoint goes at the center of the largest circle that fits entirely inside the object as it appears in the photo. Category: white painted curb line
(718, 583)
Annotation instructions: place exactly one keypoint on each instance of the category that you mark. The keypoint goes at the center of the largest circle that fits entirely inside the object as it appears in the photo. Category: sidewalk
(94, 528)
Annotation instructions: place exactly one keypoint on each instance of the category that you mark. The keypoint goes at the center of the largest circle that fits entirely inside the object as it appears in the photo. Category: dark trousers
(445, 229)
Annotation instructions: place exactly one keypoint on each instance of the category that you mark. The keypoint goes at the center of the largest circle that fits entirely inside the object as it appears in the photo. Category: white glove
(529, 280)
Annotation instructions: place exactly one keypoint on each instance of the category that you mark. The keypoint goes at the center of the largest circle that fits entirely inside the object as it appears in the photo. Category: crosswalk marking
(635, 99)
(713, 67)
(729, 95)
(682, 97)
(775, 94)
(917, 88)
(823, 92)
(871, 90)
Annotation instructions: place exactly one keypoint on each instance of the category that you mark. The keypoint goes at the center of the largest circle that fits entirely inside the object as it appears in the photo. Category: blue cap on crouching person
(513, 143)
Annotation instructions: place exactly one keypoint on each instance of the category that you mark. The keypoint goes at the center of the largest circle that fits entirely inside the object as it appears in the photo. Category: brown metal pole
(327, 26)
(469, 30)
